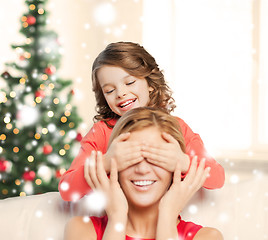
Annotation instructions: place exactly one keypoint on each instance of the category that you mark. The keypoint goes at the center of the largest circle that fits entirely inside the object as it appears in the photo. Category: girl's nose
(142, 167)
(121, 92)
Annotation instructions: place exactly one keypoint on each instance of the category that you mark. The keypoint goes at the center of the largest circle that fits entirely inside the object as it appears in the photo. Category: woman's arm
(77, 228)
(116, 205)
(178, 195)
(208, 233)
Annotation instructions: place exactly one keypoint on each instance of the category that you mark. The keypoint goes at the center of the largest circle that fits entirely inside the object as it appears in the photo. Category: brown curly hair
(136, 61)
(144, 117)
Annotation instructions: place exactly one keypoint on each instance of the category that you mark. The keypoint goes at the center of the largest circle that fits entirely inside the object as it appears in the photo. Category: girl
(126, 76)
(139, 198)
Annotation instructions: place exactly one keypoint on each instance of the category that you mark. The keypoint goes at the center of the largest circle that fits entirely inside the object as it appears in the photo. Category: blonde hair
(136, 61)
(144, 117)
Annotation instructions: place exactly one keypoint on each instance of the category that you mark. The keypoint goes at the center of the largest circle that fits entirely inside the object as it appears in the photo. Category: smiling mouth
(143, 183)
(125, 104)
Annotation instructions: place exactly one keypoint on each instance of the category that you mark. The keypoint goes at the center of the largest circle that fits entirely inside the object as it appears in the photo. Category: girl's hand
(117, 205)
(124, 152)
(181, 191)
(167, 155)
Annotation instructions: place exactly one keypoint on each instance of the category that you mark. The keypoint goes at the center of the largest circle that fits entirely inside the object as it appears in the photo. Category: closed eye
(129, 83)
(107, 92)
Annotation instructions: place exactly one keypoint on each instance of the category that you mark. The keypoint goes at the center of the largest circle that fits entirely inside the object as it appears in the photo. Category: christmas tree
(38, 124)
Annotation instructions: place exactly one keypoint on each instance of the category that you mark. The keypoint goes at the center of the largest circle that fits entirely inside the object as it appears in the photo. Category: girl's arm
(195, 147)
(72, 185)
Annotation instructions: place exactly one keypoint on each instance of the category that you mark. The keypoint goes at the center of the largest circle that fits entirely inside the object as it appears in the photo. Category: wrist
(167, 217)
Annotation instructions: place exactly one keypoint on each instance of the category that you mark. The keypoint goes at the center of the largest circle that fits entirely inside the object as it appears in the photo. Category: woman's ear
(151, 89)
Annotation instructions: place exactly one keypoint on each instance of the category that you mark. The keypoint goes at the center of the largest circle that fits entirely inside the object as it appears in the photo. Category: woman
(144, 201)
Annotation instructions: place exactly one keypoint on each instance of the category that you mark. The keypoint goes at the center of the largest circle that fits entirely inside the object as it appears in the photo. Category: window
(215, 57)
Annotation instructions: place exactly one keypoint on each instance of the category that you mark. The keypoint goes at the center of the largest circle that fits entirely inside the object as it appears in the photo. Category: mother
(144, 201)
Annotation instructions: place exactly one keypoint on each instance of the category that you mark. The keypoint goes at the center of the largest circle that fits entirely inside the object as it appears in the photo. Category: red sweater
(97, 139)
(186, 230)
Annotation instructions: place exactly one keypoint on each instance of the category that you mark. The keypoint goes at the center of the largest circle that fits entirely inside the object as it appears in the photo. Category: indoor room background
(214, 54)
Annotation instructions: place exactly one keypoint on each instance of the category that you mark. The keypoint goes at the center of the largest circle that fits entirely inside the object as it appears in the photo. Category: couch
(239, 210)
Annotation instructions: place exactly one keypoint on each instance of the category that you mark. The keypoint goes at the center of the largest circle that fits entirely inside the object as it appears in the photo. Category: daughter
(144, 201)
(126, 76)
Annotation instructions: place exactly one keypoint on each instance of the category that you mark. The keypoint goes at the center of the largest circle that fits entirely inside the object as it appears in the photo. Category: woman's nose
(142, 167)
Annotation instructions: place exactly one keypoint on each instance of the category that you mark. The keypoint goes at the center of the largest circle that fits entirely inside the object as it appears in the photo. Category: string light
(27, 55)
(16, 149)
(67, 146)
(37, 136)
(5, 191)
(22, 81)
(7, 119)
(17, 182)
(51, 86)
(38, 99)
(3, 137)
(63, 119)
(44, 77)
(12, 94)
(16, 131)
(62, 152)
(68, 106)
(30, 158)
(50, 114)
(38, 181)
(44, 130)
(40, 11)
(56, 101)
(67, 113)
(62, 132)
(32, 7)
(71, 124)
(3, 97)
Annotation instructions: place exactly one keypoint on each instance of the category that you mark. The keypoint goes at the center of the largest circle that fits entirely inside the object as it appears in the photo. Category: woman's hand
(117, 206)
(181, 191)
(166, 155)
(126, 153)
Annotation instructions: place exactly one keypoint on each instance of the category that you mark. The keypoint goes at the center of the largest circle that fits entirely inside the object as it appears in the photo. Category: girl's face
(121, 90)
(144, 184)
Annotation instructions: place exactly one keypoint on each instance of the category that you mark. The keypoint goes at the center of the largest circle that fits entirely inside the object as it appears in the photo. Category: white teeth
(143, 183)
(126, 103)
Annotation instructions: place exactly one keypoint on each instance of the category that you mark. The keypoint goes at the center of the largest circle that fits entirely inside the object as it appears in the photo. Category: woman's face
(144, 184)
(121, 90)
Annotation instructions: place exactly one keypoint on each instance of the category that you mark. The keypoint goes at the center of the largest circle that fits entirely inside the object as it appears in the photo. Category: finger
(167, 137)
(191, 173)
(131, 162)
(122, 137)
(113, 172)
(177, 174)
(156, 161)
(86, 174)
(200, 173)
(92, 170)
(101, 174)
